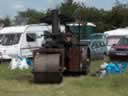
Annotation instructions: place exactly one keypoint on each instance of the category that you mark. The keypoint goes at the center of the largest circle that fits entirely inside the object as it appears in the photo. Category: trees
(32, 16)
(5, 21)
(86, 14)
(119, 14)
(105, 20)
(68, 7)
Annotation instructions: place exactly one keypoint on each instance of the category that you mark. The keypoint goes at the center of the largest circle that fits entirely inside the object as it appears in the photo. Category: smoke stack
(55, 21)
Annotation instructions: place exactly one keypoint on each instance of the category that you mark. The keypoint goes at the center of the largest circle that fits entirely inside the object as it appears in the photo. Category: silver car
(96, 49)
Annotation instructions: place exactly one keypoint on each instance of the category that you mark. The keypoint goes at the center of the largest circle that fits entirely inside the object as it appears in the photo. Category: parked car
(109, 37)
(119, 50)
(96, 49)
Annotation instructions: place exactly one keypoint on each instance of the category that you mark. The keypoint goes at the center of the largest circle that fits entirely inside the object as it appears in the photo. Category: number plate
(121, 54)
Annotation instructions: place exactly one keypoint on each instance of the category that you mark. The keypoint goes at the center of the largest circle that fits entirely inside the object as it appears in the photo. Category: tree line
(105, 20)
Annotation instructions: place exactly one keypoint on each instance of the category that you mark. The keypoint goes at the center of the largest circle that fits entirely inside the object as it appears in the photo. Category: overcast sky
(10, 7)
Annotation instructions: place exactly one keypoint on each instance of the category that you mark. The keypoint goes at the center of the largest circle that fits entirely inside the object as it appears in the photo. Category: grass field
(19, 83)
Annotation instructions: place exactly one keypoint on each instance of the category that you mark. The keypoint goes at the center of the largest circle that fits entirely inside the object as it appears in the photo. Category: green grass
(19, 83)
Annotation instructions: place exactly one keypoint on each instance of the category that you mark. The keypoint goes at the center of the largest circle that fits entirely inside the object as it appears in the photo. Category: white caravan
(22, 40)
(113, 36)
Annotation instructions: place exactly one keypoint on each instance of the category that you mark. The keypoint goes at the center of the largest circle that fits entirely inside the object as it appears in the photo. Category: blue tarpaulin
(116, 67)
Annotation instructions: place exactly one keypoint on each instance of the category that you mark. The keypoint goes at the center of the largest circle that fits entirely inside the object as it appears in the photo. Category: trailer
(113, 36)
(21, 40)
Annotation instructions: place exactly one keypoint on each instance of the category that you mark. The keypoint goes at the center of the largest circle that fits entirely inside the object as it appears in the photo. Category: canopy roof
(63, 19)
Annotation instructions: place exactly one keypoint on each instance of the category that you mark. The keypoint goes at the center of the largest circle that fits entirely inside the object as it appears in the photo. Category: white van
(113, 36)
(21, 40)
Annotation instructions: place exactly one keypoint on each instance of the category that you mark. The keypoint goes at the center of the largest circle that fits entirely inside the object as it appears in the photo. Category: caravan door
(31, 44)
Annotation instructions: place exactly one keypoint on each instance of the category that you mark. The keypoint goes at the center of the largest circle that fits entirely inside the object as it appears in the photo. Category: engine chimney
(55, 21)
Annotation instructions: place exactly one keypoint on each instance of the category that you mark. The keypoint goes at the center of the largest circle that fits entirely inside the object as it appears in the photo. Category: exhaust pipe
(55, 21)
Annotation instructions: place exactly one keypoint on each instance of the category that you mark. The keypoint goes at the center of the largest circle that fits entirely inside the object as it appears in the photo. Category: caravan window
(31, 37)
(9, 39)
(113, 40)
(123, 41)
